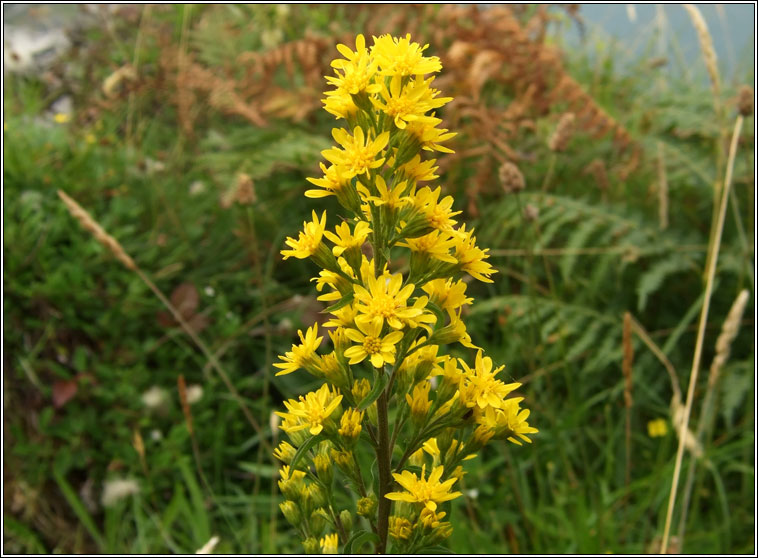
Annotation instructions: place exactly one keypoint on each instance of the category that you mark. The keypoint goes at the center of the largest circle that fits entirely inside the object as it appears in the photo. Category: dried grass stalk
(706, 45)
(663, 190)
(89, 224)
(714, 246)
(563, 133)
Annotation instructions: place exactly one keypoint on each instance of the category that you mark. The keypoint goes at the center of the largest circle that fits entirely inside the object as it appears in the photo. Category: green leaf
(344, 302)
(79, 509)
(654, 277)
(304, 449)
(358, 539)
(380, 382)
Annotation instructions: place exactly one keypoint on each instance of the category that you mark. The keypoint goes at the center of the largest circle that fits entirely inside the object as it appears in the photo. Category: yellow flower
(434, 245)
(405, 104)
(480, 387)
(329, 544)
(309, 240)
(61, 117)
(343, 317)
(400, 528)
(399, 56)
(657, 428)
(357, 70)
(391, 198)
(360, 389)
(447, 294)
(371, 344)
(439, 214)
(358, 153)
(428, 492)
(419, 402)
(285, 453)
(428, 135)
(454, 332)
(385, 299)
(430, 519)
(417, 170)
(303, 355)
(311, 411)
(470, 257)
(350, 424)
(332, 184)
(345, 240)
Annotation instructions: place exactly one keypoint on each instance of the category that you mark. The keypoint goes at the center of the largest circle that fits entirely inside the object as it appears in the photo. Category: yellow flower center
(372, 345)
(360, 158)
(399, 106)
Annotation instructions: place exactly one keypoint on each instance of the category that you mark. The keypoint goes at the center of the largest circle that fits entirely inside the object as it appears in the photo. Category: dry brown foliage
(501, 73)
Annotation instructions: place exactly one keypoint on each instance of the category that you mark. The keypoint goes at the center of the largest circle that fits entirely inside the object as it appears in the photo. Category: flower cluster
(387, 382)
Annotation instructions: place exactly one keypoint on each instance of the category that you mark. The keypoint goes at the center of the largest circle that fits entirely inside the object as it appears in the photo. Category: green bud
(312, 546)
(346, 518)
(291, 512)
(317, 521)
(324, 468)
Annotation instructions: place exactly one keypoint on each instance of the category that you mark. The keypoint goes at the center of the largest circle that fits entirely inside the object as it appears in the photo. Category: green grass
(74, 315)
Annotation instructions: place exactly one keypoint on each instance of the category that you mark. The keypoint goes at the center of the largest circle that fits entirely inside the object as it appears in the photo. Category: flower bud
(324, 468)
(317, 521)
(291, 512)
(311, 546)
(367, 506)
(346, 518)
(285, 453)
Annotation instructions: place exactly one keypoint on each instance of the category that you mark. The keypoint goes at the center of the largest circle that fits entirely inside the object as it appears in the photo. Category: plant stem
(713, 253)
(383, 459)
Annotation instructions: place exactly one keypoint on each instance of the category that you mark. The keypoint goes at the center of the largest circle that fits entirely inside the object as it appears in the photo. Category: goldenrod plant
(396, 417)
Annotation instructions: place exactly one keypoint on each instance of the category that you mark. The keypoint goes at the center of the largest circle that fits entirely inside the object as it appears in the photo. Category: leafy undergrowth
(93, 358)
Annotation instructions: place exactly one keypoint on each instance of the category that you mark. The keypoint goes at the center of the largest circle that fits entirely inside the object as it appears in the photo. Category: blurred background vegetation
(156, 117)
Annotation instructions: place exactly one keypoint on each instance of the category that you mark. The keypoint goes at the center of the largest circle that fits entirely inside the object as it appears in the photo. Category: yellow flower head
(430, 519)
(439, 214)
(470, 257)
(345, 240)
(400, 56)
(409, 103)
(385, 299)
(358, 153)
(329, 544)
(333, 182)
(311, 411)
(371, 344)
(428, 492)
(350, 424)
(480, 387)
(358, 69)
(309, 240)
(303, 355)
(285, 453)
(447, 294)
(400, 528)
(417, 170)
(657, 428)
(419, 402)
(435, 245)
(428, 135)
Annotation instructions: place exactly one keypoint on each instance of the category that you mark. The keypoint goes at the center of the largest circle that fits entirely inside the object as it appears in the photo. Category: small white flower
(196, 188)
(117, 489)
(156, 435)
(194, 394)
(154, 397)
(209, 291)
